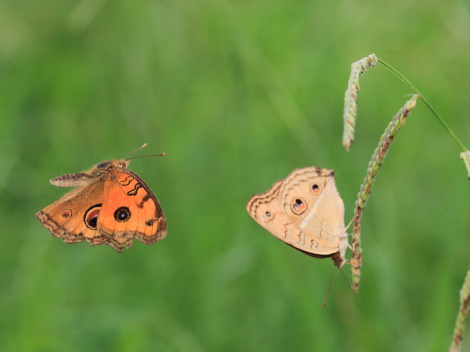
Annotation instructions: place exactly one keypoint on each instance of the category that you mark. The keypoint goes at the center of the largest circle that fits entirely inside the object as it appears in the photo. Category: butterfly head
(107, 165)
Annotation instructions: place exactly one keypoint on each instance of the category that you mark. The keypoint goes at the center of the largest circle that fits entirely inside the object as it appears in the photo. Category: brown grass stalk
(374, 166)
(462, 315)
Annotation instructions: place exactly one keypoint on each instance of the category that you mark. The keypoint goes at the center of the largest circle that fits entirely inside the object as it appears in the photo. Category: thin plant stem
(433, 111)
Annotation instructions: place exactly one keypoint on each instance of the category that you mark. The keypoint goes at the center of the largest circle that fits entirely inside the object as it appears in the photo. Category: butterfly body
(111, 205)
(306, 212)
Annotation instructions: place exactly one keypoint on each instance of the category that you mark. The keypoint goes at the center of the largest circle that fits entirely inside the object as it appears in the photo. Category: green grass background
(237, 93)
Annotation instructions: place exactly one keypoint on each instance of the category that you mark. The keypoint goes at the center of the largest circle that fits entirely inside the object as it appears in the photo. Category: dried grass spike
(462, 315)
(465, 156)
(350, 97)
(374, 166)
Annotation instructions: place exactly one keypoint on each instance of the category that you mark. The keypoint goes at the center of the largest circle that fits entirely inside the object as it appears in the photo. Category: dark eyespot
(122, 214)
(298, 206)
(316, 188)
(67, 213)
(268, 213)
(91, 216)
(93, 222)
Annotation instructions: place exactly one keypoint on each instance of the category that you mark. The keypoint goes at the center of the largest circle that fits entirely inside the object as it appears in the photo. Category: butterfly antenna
(143, 146)
(142, 156)
(328, 291)
(146, 156)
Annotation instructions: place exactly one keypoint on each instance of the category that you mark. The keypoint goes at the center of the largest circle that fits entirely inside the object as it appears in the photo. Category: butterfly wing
(311, 201)
(306, 212)
(67, 217)
(130, 211)
(265, 210)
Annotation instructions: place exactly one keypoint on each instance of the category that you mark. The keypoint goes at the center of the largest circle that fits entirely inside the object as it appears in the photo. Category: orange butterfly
(111, 205)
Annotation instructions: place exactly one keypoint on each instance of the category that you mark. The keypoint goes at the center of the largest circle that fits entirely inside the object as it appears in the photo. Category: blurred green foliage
(237, 93)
